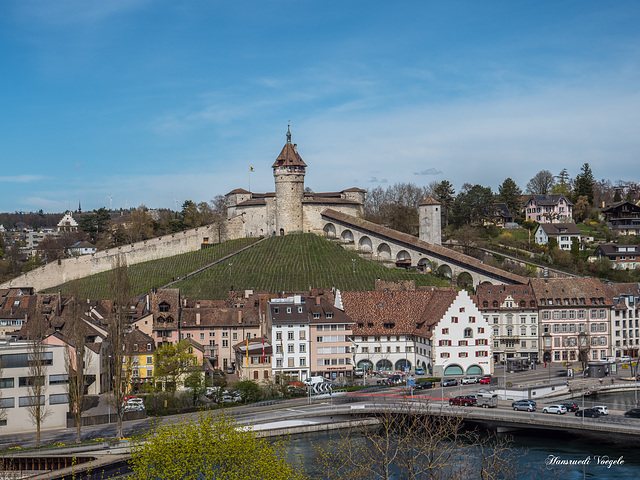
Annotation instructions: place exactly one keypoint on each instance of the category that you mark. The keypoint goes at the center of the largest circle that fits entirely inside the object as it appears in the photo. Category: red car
(485, 379)
(461, 400)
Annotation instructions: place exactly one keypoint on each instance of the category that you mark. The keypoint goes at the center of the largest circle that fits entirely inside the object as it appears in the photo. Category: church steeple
(288, 134)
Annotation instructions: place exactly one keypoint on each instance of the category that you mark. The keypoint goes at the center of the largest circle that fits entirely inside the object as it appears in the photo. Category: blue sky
(156, 102)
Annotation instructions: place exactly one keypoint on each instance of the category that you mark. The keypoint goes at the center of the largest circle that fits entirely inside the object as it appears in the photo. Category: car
(449, 382)
(625, 358)
(394, 379)
(231, 397)
(230, 371)
(558, 409)
(589, 412)
(473, 398)
(633, 413)
(571, 406)
(423, 385)
(383, 381)
(602, 409)
(133, 405)
(469, 380)
(461, 400)
(419, 371)
(485, 379)
(528, 405)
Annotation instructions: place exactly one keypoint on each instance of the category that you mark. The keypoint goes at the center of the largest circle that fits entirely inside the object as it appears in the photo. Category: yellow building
(139, 359)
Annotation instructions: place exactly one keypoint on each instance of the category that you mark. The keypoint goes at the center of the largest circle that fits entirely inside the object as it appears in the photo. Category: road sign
(407, 369)
(411, 382)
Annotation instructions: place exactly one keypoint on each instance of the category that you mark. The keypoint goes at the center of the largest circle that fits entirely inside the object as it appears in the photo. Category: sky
(141, 102)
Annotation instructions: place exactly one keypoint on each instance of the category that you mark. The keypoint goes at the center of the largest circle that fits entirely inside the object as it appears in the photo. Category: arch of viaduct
(385, 244)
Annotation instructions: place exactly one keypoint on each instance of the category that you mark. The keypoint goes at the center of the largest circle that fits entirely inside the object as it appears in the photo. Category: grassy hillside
(144, 276)
(294, 262)
(288, 263)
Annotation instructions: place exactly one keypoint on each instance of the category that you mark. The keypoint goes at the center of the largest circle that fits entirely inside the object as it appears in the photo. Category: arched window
(468, 333)
(522, 303)
(485, 304)
(495, 304)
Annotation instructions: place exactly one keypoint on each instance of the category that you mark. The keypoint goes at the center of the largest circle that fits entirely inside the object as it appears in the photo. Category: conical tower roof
(289, 155)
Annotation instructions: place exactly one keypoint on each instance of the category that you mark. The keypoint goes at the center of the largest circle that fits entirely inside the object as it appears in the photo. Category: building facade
(555, 208)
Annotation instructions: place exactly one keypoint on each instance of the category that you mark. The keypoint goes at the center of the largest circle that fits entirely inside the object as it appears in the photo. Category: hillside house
(564, 233)
(623, 218)
(554, 208)
(621, 256)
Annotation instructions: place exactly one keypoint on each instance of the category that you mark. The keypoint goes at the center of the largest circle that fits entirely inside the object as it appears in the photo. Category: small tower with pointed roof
(430, 221)
(289, 171)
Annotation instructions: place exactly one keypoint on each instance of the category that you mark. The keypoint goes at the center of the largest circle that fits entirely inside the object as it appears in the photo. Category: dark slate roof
(503, 210)
(437, 251)
(617, 206)
(549, 200)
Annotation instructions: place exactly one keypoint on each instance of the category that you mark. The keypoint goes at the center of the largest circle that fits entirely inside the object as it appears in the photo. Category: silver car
(559, 409)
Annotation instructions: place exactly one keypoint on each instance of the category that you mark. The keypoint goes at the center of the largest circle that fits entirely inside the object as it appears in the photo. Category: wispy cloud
(429, 171)
(21, 178)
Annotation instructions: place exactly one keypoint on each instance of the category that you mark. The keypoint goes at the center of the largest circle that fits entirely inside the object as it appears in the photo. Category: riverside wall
(62, 271)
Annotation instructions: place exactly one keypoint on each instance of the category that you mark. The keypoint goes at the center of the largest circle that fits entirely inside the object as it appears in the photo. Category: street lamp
(354, 265)
(442, 384)
(109, 387)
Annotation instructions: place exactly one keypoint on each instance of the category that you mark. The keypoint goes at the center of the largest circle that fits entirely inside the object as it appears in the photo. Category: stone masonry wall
(57, 273)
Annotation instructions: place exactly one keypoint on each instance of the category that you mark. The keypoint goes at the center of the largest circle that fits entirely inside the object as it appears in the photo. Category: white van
(314, 380)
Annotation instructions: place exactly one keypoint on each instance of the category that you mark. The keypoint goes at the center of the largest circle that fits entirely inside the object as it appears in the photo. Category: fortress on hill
(289, 209)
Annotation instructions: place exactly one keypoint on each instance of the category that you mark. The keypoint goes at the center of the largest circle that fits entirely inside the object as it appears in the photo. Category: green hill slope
(294, 263)
(287, 263)
(147, 275)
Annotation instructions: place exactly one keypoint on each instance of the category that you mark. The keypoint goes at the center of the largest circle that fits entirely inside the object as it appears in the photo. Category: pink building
(555, 208)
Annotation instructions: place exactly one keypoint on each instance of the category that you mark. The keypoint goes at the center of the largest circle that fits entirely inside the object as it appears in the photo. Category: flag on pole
(263, 349)
(247, 351)
(251, 169)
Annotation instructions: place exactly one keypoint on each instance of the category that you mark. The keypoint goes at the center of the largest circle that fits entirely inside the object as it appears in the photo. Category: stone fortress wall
(57, 273)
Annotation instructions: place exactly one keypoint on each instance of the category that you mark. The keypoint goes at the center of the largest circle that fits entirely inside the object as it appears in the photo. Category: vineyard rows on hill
(147, 275)
(294, 263)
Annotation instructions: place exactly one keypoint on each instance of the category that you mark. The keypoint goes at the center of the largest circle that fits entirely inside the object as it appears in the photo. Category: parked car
(461, 401)
(528, 405)
(231, 397)
(424, 385)
(602, 409)
(419, 371)
(571, 406)
(633, 413)
(383, 381)
(394, 379)
(133, 405)
(230, 371)
(485, 379)
(449, 382)
(589, 412)
(559, 409)
(469, 380)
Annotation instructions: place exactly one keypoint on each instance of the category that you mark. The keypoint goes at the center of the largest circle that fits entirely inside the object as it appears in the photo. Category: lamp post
(442, 384)
(504, 373)
(354, 265)
(109, 387)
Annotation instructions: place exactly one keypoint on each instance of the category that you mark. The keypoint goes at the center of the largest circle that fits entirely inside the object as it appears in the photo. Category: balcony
(211, 352)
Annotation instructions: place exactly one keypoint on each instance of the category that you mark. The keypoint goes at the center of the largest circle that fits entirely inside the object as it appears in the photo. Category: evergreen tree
(445, 194)
(509, 193)
(584, 183)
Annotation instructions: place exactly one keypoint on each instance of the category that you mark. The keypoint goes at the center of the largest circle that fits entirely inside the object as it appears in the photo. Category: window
(279, 336)
(468, 333)
(225, 343)
(290, 348)
(289, 335)
(29, 401)
(303, 335)
(235, 336)
(58, 379)
(276, 310)
(8, 402)
(6, 383)
(58, 398)
(454, 319)
(288, 309)
(303, 362)
(445, 331)
(278, 363)
(303, 348)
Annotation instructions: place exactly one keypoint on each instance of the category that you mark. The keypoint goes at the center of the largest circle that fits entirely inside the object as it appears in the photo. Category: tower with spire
(288, 171)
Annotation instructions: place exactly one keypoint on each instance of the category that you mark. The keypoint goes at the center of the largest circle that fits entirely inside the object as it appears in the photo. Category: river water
(544, 455)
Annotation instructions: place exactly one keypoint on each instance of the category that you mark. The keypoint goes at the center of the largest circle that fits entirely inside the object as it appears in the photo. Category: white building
(14, 388)
(289, 322)
(461, 340)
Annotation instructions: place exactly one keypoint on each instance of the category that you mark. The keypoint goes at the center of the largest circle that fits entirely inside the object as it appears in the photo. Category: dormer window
(299, 309)
(135, 347)
(148, 347)
(316, 316)
(276, 310)
(288, 309)
(164, 307)
(329, 314)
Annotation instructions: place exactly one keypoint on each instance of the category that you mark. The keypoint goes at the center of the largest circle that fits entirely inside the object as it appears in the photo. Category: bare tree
(38, 365)
(116, 331)
(411, 444)
(77, 360)
(541, 183)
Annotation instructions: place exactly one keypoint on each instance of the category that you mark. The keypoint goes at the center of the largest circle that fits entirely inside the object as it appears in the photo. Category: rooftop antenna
(110, 202)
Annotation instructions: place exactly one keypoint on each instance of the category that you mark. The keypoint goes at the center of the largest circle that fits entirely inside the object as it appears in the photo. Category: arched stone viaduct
(385, 244)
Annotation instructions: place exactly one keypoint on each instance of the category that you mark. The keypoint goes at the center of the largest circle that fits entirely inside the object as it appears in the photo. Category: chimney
(239, 316)
(198, 318)
(318, 300)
